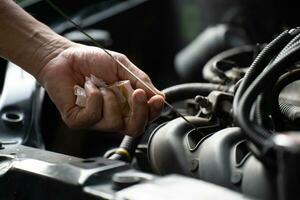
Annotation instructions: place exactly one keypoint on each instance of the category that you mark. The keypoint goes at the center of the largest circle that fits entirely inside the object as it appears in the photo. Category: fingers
(156, 104)
(139, 114)
(112, 115)
(94, 102)
(103, 111)
(133, 124)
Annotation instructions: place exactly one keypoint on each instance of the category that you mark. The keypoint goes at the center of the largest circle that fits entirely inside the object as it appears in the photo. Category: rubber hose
(126, 149)
(259, 63)
(289, 45)
(257, 134)
(263, 104)
(290, 111)
(189, 90)
(259, 111)
(130, 143)
(264, 107)
(283, 81)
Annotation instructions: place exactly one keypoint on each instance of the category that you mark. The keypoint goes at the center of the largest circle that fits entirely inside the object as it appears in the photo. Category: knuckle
(69, 118)
(121, 57)
(145, 77)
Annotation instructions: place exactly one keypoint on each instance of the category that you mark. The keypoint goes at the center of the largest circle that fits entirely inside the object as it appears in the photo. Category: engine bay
(240, 91)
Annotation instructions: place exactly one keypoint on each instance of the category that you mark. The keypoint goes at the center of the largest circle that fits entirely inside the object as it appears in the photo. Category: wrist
(47, 47)
(25, 41)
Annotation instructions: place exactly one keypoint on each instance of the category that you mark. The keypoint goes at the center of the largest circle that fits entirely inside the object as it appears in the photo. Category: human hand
(102, 111)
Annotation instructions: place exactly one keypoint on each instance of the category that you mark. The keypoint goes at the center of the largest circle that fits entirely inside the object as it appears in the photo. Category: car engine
(240, 92)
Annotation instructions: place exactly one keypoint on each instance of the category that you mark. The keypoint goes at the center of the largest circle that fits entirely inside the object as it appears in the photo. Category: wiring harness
(251, 105)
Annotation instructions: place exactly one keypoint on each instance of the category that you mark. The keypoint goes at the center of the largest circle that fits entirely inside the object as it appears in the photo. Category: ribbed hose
(291, 44)
(259, 111)
(263, 106)
(259, 63)
(128, 145)
(257, 134)
(290, 111)
(267, 102)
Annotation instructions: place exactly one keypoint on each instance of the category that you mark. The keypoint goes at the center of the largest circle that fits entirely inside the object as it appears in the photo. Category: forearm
(25, 41)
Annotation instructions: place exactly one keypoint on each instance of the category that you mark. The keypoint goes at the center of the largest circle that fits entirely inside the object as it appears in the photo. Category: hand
(102, 111)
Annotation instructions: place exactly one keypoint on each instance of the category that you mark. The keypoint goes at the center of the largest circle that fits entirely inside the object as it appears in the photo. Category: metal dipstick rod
(116, 60)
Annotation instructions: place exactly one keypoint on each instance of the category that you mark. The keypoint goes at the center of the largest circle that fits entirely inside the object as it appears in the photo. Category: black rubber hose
(283, 81)
(259, 111)
(126, 149)
(189, 90)
(286, 50)
(267, 103)
(263, 107)
(291, 44)
(256, 134)
(259, 63)
(128, 145)
(256, 67)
